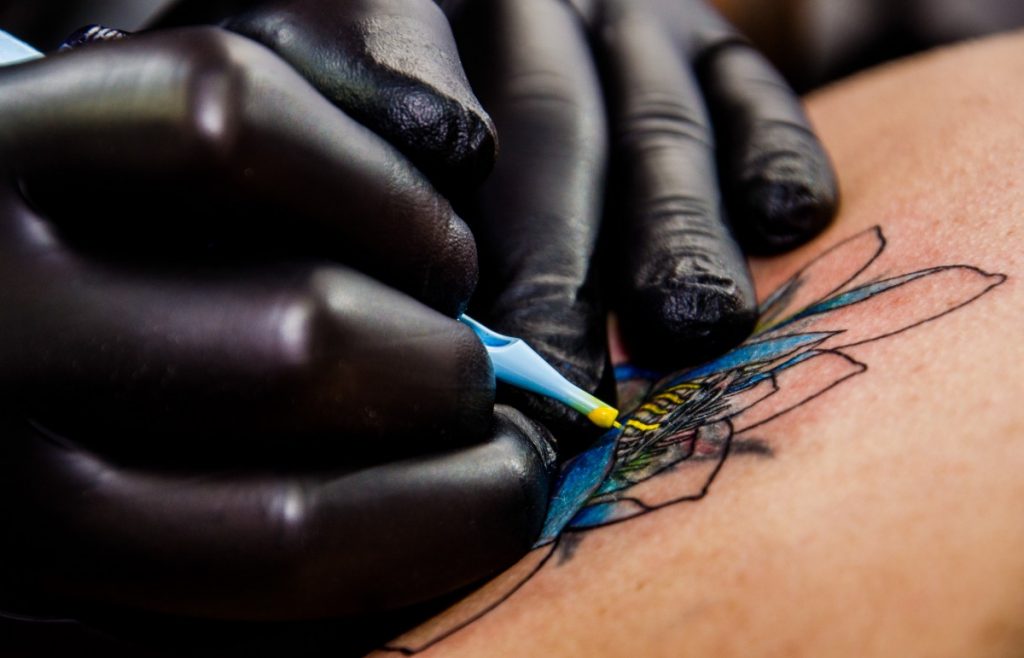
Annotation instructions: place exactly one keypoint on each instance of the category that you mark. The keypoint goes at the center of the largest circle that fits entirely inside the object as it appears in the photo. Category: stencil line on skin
(690, 423)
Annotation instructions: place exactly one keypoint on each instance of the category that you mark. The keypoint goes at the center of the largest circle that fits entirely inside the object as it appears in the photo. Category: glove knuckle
(215, 68)
(296, 329)
(547, 89)
(659, 117)
(695, 212)
(289, 517)
(302, 324)
(557, 104)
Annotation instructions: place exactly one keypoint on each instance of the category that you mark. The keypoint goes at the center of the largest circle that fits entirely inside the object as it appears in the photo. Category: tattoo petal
(811, 376)
(829, 273)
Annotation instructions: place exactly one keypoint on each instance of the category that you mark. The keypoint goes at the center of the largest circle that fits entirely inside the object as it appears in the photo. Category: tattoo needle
(518, 364)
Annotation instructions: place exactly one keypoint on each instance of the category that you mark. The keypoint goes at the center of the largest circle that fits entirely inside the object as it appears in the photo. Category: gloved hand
(391, 64)
(675, 79)
(711, 155)
(219, 432)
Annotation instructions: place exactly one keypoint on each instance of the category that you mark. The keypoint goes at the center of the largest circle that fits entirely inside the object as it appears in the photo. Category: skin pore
(879, 515)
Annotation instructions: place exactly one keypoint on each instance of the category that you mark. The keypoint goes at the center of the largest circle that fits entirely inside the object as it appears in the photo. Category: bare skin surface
(883, 517)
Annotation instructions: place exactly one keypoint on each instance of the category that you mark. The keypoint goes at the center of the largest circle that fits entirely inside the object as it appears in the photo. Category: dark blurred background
(817, 41)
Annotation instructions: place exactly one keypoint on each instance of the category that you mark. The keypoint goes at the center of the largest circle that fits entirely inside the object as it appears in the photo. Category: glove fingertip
(688, 322)
(402, 79)
(454, 271)
(455, 145)
(782, 215)
(784, 190)
(476, 383)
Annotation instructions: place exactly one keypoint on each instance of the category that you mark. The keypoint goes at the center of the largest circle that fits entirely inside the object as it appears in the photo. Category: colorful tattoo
(683, 428)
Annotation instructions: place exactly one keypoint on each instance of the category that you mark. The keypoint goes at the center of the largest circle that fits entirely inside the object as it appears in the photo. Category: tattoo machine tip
(516, 363)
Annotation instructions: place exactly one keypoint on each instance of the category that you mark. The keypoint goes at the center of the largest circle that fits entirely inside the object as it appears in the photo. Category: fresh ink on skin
(683, 428)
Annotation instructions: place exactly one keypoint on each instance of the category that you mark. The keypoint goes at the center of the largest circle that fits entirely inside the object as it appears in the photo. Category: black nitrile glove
(672, 268)
(270, 166)
(262, 544)
(209, 431)
(390, 64)
(707, 146)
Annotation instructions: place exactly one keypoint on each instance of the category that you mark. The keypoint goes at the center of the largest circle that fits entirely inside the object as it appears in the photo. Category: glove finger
(221, 145)
(686, 293)
(268, 546)
(308, 351)
(779, 184)
(391, 64)
(537, 218)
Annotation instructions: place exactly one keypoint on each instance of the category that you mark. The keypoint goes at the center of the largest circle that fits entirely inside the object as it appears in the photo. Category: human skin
(885, 517)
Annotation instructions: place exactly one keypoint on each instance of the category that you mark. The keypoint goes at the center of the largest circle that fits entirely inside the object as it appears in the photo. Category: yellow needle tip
(604, 417)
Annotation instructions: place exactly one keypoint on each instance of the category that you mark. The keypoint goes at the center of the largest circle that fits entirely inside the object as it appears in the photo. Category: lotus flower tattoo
(684, 428)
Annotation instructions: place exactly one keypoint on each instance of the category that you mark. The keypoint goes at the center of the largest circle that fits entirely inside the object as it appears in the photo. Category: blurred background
(811, 41)
(816, 41)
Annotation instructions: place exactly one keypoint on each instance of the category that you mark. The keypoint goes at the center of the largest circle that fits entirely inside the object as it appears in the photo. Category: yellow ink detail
(643, 427)
(685, 387)
(603, 416)
(671, 397)
(654, 409)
